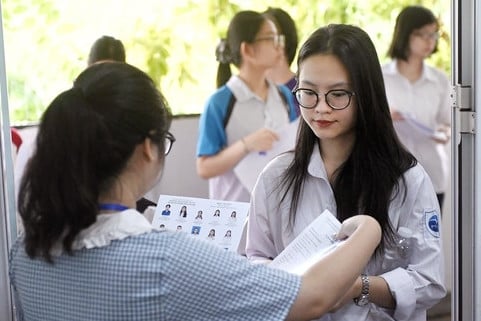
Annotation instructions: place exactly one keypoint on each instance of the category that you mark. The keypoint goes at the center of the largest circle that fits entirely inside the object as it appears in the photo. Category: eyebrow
(338, 84)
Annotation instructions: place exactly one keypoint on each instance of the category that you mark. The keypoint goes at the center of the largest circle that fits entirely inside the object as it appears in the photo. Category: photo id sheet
(314, 242)
(249, 168)
(217, 222)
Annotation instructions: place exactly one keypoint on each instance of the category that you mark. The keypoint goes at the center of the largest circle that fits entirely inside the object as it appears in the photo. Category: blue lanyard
(112, 207)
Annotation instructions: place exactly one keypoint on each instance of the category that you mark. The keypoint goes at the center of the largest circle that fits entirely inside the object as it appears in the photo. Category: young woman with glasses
(416, 90)
(87, 254)
(242, 116)
(349, 161)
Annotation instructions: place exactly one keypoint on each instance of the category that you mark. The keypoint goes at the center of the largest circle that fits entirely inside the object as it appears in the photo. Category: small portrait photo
(211, 235)
(198, 217)
(228, 234)
(217, 213)
(183, 211)
(195, 230)
(162, 227)
(233, 215)
(166, 211)
(179, 228)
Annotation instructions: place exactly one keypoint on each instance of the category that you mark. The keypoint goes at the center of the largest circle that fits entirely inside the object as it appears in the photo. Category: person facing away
(253, 45)
(106, 48)
(348, 160)
(107, 261)
(418, 90)
(282, 73)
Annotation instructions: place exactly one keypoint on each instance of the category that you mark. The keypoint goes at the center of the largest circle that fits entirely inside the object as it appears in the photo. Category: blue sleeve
(290, 101)
(212, 137)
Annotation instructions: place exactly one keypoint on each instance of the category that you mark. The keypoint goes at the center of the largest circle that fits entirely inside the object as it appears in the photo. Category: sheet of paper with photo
(217, 222)
(252, 164)
(316, 241)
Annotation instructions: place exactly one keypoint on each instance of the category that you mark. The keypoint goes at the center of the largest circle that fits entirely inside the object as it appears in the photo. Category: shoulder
(220, 96)
(436, 74)
(417, 180)
(276, 167)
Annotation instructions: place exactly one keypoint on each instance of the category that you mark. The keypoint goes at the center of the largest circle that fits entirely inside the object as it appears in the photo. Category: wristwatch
(363, 299)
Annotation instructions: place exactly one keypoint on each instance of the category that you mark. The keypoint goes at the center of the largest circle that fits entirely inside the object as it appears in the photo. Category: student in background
(106, 48)
(108, 262)
(418, 90)
(254, 45)
(348, 160)
(282, 73)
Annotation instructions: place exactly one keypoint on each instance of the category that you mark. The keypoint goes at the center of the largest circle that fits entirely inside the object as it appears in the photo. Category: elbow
(202, 169)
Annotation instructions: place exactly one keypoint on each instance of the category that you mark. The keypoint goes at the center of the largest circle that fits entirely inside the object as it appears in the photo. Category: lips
(323, 123)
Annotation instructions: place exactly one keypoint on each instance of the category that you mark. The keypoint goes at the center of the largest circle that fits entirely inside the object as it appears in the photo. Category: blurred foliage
(47, 41)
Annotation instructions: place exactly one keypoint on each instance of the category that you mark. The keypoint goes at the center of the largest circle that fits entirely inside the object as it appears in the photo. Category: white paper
(415, 129)
(227, 225)
(316, 241)
(249, 168)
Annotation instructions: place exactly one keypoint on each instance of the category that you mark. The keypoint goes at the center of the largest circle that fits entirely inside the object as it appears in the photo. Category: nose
(322, 106)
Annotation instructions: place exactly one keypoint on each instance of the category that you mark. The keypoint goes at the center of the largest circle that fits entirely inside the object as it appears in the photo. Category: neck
(256, 81)
(411, 69)
(280, 74)
(334, 153)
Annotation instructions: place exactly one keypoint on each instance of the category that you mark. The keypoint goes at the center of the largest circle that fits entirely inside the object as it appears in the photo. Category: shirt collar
(241, 91)
(108, 228)
(316, 165)
(427, 73)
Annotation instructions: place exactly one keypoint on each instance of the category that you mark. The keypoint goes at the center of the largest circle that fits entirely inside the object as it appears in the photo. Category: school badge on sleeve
(431, 224)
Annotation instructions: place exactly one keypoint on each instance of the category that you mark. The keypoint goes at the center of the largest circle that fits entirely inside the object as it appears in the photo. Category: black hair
(287, 27)
(367, 181)
(409, 19)
(244, 27)
(85, 139)
(106, 48)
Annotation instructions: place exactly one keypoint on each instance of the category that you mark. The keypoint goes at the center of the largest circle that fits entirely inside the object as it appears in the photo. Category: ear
(247, 50)
(149, 149)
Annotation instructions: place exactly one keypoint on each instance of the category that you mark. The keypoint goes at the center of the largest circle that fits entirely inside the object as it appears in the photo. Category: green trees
(47, 41)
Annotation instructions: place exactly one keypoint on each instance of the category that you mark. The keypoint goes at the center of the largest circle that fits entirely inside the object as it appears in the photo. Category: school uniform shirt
(124, 269)
(416, 287)
(428, 101)
(249, 113)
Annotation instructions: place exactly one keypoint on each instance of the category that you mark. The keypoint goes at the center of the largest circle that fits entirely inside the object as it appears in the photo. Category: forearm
(225, 160)
(329, 279)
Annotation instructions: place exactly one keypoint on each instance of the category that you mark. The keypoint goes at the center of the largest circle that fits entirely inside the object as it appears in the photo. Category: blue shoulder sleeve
(212, 137)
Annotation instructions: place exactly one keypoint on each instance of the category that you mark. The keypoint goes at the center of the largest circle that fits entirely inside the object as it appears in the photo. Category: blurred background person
(242, 116)
(106, 48)
(419, 91)
(281, 73)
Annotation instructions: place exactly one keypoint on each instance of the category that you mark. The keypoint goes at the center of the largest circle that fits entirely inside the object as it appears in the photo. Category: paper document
(316, 241)
(249, 168)
(217, 222)
(410, 126)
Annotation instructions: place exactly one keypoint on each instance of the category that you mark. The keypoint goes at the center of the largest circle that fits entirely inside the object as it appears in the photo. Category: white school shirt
(415, 288)
(428, 100)
(249, 113)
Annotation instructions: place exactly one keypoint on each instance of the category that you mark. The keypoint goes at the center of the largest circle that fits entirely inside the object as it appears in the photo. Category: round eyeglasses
(278, 40)
(168, 142)
(335, 98)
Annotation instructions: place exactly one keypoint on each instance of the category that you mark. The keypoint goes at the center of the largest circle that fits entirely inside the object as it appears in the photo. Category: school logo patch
(431, 220)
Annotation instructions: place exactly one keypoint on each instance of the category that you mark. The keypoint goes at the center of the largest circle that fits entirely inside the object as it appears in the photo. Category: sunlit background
(47, 41)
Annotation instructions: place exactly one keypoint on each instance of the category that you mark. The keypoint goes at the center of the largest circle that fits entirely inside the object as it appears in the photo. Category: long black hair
(367, 181)
(85, 138)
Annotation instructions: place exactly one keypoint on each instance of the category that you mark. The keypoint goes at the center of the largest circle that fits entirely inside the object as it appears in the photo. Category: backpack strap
(230, 107)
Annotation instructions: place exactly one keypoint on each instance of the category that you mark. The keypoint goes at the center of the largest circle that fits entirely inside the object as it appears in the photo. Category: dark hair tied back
(222, 52)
